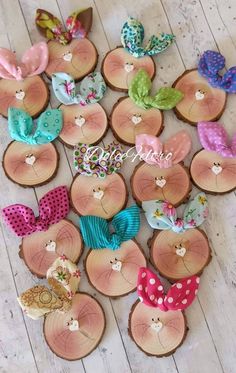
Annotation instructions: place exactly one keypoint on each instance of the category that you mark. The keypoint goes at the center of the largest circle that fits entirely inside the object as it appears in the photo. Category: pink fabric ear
(179, 145)
(8, 64)
(150, 289)
(182, 294)
(148, 146)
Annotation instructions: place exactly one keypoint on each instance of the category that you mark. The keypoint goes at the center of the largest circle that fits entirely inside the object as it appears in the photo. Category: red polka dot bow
(179, 296)
(53, 207)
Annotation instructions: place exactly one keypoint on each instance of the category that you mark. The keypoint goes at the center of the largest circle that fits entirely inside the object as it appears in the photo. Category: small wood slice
(155, 332)
(83, 124)
(114, 273)
(29, 165)
(30, 95)
(201, 102)
(150, 182)
(119, 67)
(99, 197)
(41, 249)
(180, 255)
(212, 173)
(75, 334)
(129, 120)
(79, 58)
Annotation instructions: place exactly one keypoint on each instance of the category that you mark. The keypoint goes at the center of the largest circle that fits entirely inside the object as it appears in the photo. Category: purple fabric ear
(210, 64)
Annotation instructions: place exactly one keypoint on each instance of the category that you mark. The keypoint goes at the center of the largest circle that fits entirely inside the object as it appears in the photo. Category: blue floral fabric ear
(21, 126)
(196, 211)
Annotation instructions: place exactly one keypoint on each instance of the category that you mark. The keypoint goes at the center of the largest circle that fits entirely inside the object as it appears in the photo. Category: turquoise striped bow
(96, 233)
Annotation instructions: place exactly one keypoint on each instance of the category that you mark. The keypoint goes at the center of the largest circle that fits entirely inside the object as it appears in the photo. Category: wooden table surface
(210, 346)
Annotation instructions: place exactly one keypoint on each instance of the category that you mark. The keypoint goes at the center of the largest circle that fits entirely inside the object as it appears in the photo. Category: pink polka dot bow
(33, 62)
(214, 137)
(53, 207)
(179, 296)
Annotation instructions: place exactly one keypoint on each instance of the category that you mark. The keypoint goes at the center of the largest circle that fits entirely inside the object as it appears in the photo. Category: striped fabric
(96, 232)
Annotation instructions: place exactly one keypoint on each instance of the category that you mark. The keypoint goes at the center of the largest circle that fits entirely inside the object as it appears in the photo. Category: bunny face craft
(213, 169)
(69, 51)
(98, 189)
(32, 160)
(180, 249)
(156, 322)
(74, 322)
(204, 89)
(85, 120)
(121, 64)
(113, 260)
(140, 112)
(161, 175)
(47, 236)
(21, 85)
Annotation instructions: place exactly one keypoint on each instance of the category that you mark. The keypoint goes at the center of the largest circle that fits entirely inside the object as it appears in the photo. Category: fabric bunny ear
(90, 91)
(196, 211)
(149, 148)
(160, 214)
(181, 295)
(165, 99)
(150, 289)
(79, 23)
(179, 145)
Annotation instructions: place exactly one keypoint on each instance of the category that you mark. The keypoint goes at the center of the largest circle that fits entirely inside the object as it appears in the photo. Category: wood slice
(150, 182)
(30, 94)
(83, 124)
(119, 68)
(75, 334)
(201, 102)
(114, 273)
(29, 165)
(180, 255)
(129, 120)
(78, 58)
(155, 332)
(212, 173)
(85, 189)
(41, 249)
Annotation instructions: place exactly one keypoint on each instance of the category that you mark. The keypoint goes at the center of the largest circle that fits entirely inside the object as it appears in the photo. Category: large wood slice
(29, 165)
(119, 68)
(30, 95)
(99, 197)
(114, 273)
(79, 58)
(212, 173)
(180, 255)
(155, 332)
(150, 182)
(129, 120)
(75, 334)
(201, 102)
(41, 249)
(83, 124)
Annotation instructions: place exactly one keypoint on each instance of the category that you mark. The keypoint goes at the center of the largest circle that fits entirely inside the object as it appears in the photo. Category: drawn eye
(158, 319)
(111, 261)
(94, 190)
(153, 319)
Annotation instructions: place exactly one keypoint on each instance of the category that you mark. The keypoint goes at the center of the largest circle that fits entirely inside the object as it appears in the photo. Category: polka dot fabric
(210, 64)
(53, 207)
(214, 137)
(179, 297)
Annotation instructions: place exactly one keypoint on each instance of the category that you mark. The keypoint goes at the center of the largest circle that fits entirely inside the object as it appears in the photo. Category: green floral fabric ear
(165, 99)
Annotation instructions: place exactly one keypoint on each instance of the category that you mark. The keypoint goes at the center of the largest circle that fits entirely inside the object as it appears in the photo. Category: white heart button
(20, 95)
(80, 121)
(51, 246)
(30, 159)
(161, 182)
(157, 326)
(216, 169)
(99, 194)
(117, 266)
(129, 67)
(74, 325)
(199, 95)
(136, 119)
(181, 251)
(67, 57)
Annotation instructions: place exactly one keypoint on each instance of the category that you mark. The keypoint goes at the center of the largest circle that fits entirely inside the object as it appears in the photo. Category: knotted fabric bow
(33, 62)
(21, 126)
(178, 298)
(78, 25)
(132, 36)
(89, 91)
(53, 207)
(162, 214)
(98, 162)
(139, 91)
(164, 155)
(210, 64)
(214, 138)
(63, 277)
(96, 233)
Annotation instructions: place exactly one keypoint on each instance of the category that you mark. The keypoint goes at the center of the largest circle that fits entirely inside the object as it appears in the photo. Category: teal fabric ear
(21, 126)
(196, 211)
(90, 91)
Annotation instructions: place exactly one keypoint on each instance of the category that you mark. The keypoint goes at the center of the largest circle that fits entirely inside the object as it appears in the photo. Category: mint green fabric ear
(166, 98)
(21, 126)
